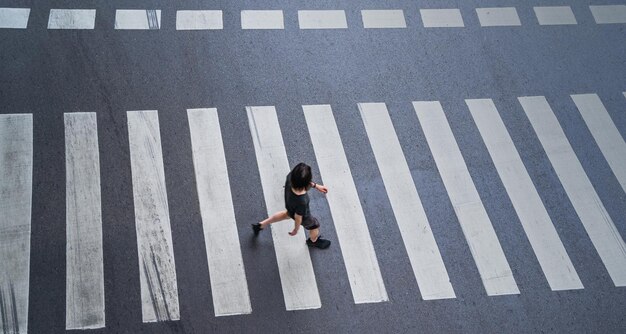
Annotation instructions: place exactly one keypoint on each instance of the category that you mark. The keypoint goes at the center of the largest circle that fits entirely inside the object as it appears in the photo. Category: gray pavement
(48, 73)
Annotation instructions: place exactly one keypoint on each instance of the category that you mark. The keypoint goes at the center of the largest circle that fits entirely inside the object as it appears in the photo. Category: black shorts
(310, 223)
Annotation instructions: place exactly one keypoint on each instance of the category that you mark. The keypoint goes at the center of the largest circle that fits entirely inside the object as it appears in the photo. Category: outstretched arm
(319, 187)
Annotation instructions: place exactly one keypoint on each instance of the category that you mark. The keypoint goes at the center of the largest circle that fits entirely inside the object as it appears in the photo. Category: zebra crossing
(85, 306)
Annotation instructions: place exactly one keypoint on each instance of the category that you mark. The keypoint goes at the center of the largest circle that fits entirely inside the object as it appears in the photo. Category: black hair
(301, 176)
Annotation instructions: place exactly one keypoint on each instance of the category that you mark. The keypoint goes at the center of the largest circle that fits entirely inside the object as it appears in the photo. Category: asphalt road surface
(474, 157)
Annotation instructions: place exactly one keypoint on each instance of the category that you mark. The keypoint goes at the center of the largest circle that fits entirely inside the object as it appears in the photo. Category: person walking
(297, 184)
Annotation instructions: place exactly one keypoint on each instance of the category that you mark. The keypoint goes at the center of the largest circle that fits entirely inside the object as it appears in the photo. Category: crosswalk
(274, 19)
(229, 284)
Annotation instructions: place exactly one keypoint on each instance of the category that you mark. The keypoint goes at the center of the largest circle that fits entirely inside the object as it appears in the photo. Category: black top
(295, 204)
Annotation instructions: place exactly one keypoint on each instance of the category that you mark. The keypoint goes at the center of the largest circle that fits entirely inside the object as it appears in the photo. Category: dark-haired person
(297, 206)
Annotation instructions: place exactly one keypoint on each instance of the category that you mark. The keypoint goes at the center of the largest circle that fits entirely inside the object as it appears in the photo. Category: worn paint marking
(229, 287)
(152, 220)
(84, 259)
(16, 172)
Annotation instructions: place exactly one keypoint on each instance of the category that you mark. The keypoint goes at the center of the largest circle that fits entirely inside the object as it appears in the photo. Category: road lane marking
(609, 14)
(322, 19)
(593, 215)
(555, 15)
(16, 181)
(84, 297)
(159, 291)
(137, 19)
(543, 237)
(392, 18)
(226, 271)
(419, 241)
(72, 19)
(605, 133)
(482, 239)
(14, 18)
(292, 254)
(262, 19)
(356, 245)
(442, 18)
(199, 20)
(498, 17)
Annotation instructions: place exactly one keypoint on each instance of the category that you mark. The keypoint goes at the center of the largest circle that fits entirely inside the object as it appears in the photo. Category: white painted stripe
(482, 240)
(16, 181)
(159, 291)
(543, 237)
(354, 238)
(322, 19)
(262, 19)
(605, 133)
(441, 18)
(199, 20)
(14, 18)
(593, 215)
(555, 15)
(383, 18)
(609, 14)
(84, 297)
(498, 17)
(228, 277)
(292, 253)
(72, 19)
(421, 247)
(137, 19)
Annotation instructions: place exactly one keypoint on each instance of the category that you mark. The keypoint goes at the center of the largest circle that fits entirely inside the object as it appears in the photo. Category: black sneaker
(319, 243)
(256, 228)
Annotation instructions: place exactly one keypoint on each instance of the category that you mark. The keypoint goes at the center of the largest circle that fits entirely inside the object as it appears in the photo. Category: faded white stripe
(228, 278)
(199, 20)
(85, 275)
(442, 18)
(593, 215)
(16, 181)
(392, 18)
(292, 253)
(137, 19)
(72, 19)
(609, 14)
(482, 240)
(262, 19)
(354, 238)
(498, 17)
(419, 241)
(545, 241)
(159, 291)
(556, 15)
(322, 19)
(14, 18)
(605, 133)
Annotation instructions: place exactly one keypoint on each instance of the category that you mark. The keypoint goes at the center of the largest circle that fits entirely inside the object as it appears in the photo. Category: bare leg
(278, 216)
(314, 234)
